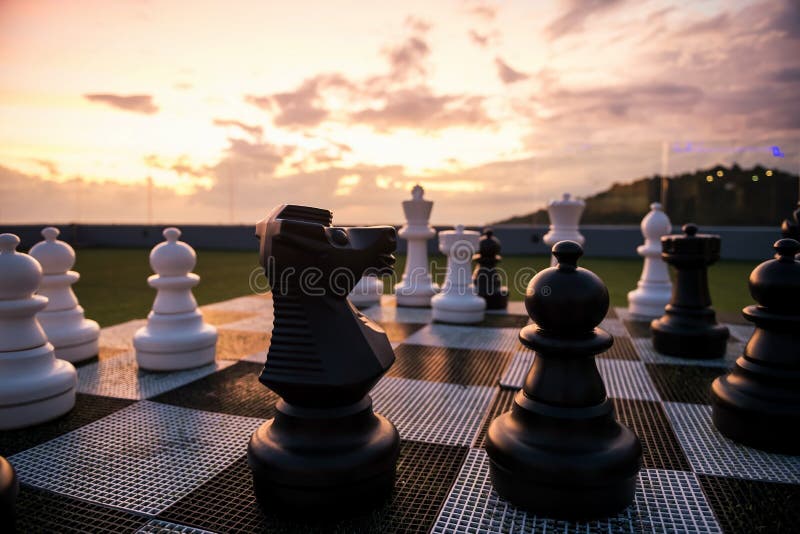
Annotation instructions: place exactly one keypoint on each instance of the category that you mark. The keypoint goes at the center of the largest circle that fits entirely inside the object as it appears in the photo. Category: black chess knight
(758, 402)
(486, 279)
(326, 450)
(689, 328)
(560, 452)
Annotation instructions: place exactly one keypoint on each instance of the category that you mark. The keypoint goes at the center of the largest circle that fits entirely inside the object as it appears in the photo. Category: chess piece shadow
(758, 402)
(326, 451)
(560, 452)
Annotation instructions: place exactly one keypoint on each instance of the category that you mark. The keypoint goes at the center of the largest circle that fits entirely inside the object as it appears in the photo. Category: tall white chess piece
(654, 289)
(416, 287)
(367, 292)
(35, 386)
(458, 302)
(73, 336)
(175, 336)
(565, 217)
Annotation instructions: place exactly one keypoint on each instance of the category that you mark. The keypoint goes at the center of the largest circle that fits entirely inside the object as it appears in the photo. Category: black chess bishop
(689, 327)
(560, 452)
(326, 451)
(486, 278)
(758, 402)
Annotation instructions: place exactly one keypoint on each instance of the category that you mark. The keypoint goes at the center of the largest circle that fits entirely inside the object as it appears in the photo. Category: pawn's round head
(21, 273)
(56, 257)
(567, 300)
(172, 257)
(775, 284)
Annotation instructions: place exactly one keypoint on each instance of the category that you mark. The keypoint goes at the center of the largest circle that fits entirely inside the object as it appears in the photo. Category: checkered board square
(165, 452)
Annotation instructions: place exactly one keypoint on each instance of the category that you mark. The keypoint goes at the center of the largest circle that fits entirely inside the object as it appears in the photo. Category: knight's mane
(306, 214)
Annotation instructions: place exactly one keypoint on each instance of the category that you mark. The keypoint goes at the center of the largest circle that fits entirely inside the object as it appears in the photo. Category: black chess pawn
(486, 278)
(326, 451)
(791, 227)
(9, 488)
(560, 452)
(758, 402)
(689, 328)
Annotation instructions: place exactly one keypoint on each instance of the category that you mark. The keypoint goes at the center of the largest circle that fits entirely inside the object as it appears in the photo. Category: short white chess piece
(367, 292)
(416, 287)
(175, 336)
(565, 217)
(35, 386)
(458, 302)
(654, 289)
(73, 336)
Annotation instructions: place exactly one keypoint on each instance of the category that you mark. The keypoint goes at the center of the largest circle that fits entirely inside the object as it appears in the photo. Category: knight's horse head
(300, 247)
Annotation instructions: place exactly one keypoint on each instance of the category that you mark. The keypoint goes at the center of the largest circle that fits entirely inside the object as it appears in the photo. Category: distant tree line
(716, 196)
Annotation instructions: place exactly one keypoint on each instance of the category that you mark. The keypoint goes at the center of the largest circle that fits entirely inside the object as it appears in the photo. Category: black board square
(660, 447)
(684, 383)
(467, 367)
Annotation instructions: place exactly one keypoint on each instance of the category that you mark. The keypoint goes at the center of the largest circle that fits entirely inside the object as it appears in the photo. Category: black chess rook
(758, 402)
(486, 278)
(560, 452)
(325, 451)
(688, 328)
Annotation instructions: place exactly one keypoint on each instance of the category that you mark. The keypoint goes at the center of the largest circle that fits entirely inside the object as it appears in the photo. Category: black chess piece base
(9, 489)
(497, 300)
(333, 461)
(689, 333)
(758, 402)
(592, 476)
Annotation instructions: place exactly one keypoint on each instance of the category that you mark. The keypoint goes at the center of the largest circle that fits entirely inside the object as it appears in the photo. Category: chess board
(165, 452)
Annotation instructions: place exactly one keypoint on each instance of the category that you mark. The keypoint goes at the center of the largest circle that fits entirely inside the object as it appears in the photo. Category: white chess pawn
(565, 217)
(367, 292)
(458, 302)
(175, 336)
(654, 289)
(35, 386)
(73, 336)
(416, 287)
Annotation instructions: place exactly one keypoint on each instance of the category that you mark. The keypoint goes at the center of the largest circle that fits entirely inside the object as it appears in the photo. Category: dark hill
(734, 199)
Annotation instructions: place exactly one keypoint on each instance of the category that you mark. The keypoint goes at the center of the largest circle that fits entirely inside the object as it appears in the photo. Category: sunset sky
(233, 107)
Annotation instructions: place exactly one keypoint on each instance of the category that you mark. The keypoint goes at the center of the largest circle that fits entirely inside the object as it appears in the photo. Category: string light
(769, 172)
(719, 173)
(755, 177)
(709, 178)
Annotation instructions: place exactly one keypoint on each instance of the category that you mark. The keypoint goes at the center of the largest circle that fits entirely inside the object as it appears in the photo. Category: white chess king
(458, 302)
(175, 336)
(565, 217)
(654, 289)
(35, 386)
(416, 287)
(73, 336)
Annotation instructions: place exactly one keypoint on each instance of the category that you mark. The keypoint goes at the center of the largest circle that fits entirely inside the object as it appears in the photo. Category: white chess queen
(175, 336)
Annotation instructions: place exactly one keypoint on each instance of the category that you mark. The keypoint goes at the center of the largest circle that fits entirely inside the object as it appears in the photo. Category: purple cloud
(575, 15)
(507, 74)
(135, 103)
(254, 130)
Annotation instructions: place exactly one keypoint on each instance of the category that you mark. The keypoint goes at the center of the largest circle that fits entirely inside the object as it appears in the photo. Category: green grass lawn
(113, 286)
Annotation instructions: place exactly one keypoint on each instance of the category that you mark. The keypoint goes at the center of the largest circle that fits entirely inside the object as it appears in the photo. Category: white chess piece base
(29, 398)
(173, 342)
(647, 301)
(74, 337)
(367, 292)
(417, 297)
(460, 309)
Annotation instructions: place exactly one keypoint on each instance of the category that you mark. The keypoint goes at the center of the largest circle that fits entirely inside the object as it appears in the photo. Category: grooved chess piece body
(791, 227)
(565, 218)
(35, 386)
(654, 288)
(175, 336)
(485, 277)
(458, 303)
(416, 288)
(326, 450)
(688, 328)
(9, 489)
(758, 402)
(560, 452)
(73, 336)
